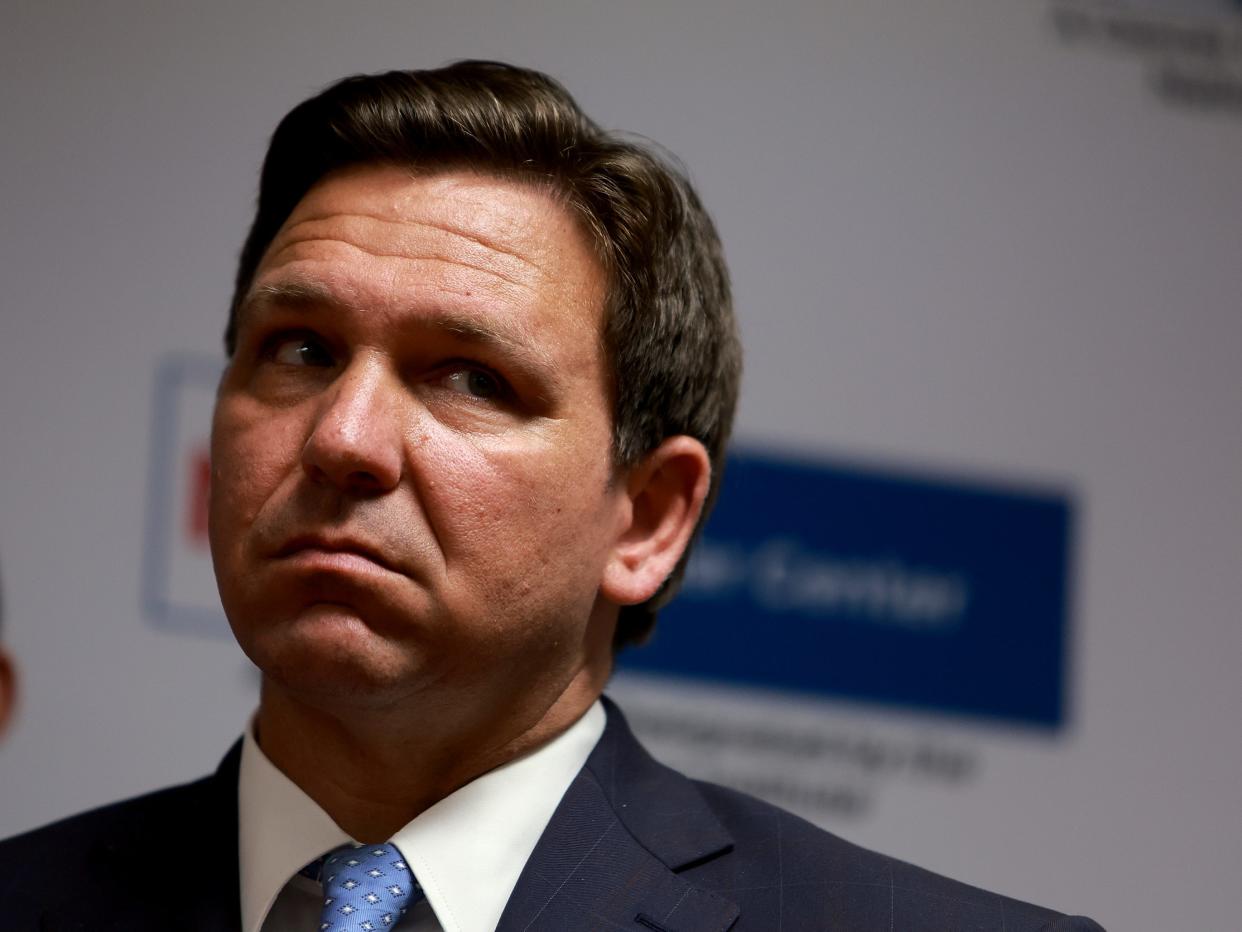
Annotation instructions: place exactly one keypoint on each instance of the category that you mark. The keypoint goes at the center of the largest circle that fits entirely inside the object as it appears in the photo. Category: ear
(665, 492)
(8, 689)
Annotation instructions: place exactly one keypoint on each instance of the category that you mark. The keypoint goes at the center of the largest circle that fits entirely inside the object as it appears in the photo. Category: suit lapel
(610, 857)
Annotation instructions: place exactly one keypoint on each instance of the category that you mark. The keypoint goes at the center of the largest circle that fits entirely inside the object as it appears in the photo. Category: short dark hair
(669, 334)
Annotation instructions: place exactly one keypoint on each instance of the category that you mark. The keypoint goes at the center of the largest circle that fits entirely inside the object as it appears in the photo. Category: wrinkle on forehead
(503, 216)
(475, 251)
(493, 260)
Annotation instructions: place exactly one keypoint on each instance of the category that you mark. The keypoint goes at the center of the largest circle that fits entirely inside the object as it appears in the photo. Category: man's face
(412, 489)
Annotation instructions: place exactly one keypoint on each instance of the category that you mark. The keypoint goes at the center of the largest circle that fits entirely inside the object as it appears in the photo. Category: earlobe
(665, 491)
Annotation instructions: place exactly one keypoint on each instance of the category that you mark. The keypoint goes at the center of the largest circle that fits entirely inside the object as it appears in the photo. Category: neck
(376, 770)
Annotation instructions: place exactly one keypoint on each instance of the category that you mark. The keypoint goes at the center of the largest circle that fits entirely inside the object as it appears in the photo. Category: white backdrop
(987, 237)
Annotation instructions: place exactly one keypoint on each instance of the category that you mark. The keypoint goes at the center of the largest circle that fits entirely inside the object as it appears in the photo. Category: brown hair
(669, 333)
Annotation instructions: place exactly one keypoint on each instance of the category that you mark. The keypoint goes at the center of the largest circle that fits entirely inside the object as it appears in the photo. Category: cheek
(528, 507)
(250, 457)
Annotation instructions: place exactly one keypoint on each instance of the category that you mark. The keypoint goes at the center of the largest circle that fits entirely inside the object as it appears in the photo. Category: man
(482, 371)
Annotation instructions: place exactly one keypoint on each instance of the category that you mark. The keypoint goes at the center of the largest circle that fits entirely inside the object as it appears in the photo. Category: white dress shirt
(466, 851)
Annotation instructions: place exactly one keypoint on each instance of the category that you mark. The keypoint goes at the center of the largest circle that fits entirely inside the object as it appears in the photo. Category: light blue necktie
(366, 888)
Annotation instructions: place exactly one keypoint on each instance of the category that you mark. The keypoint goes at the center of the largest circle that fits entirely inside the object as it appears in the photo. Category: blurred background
(972, 595)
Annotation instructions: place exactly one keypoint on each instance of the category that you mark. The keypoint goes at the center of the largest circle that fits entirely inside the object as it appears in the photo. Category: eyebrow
(295, 295)
(306, 295)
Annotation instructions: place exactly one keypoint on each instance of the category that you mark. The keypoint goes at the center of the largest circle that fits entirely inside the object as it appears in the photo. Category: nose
(355, 444)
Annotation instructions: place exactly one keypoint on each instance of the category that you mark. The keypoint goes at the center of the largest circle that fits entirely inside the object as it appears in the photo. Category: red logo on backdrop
(178, 585)
(198, 486)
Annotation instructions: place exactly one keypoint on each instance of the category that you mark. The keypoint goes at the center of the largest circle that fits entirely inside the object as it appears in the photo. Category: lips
(315, 545)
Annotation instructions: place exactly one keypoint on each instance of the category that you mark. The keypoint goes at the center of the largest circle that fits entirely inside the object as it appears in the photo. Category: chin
(328, 651)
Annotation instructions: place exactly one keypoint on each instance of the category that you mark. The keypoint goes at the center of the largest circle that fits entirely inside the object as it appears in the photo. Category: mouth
(341, 552)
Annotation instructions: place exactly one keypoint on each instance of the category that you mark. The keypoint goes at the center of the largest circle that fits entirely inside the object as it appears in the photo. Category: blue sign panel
(900, 590)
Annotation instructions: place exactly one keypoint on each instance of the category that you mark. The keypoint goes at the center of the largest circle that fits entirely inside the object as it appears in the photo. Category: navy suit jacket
(633, 847)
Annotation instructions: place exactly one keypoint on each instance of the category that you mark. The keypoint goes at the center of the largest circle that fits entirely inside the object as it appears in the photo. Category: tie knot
(366, 888)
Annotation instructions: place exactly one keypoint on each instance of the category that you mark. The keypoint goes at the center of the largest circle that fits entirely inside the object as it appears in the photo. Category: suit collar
(610, 857)
(660, 807)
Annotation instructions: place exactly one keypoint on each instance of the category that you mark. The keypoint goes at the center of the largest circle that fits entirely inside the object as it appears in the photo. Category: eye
(299, 350)
(476, 383)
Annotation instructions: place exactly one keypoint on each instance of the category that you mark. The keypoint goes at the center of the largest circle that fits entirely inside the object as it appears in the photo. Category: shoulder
(794, 869)
(104, 855)
(113, 824)
(780, 870)
(85, 844)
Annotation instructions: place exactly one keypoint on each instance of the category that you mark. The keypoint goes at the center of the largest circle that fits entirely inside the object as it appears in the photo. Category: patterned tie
(366, 888)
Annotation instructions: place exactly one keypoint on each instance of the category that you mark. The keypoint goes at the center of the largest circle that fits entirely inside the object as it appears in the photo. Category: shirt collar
(466, 851)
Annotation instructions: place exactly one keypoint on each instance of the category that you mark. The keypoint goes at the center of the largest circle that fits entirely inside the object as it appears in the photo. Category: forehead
(393, 241)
